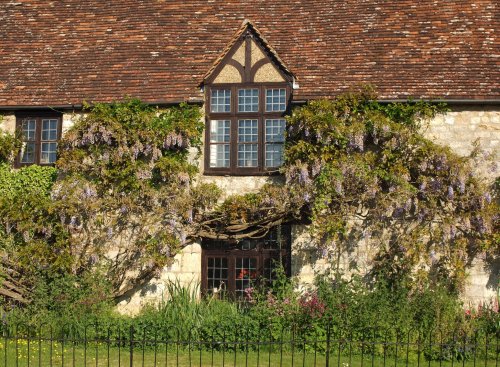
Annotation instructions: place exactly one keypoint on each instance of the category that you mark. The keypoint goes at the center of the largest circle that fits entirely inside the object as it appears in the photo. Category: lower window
(230, 269)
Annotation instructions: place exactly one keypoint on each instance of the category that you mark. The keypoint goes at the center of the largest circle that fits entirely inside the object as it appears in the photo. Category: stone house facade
(246, 66)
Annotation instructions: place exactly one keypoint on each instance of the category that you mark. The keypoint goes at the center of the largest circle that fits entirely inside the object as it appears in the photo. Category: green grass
(97, 354)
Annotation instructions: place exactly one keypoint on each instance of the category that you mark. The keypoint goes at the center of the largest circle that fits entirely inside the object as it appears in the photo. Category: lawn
(46, 353)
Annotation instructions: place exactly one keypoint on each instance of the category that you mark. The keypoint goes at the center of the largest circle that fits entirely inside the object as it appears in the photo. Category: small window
(220, 132)
(220, 100)
(248, 146)
(248, 100)
(275, 100)
(246, 273)
(28, 147)
(275, 139)
(48, 141)
(40, 136)
(217, 272)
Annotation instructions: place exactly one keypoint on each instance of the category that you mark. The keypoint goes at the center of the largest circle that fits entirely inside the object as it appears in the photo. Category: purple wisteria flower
(453, 232)
(338, 187)
(433, 257)
(316, 168)
(461, 185)
(144, 174)
(398, 212)
(94, 259)
(451, 192)
(422, 186)
(304, 175)
(89, 192)
(183, 178)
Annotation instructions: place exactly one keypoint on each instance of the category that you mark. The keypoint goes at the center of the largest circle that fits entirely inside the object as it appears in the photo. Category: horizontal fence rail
(150, 345)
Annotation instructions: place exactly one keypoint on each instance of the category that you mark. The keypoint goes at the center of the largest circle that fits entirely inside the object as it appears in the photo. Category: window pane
(220, 100)
(248, 131)
(28, 153)
(28, 128)
(247, 155)
(217, 274)
(274, 155)
(219, 131)
(248, 100)
(219, 155)
(276, 238)
(275, 129)
(49, 129)
(275, 100)
(48, 153)
(270, 266)
(246, 271)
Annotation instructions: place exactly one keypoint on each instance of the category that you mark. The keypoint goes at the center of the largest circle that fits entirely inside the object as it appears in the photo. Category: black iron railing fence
(128, 346)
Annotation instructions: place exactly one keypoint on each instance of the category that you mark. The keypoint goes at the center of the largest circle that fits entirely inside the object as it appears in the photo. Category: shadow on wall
(309, 258)
(492, 267)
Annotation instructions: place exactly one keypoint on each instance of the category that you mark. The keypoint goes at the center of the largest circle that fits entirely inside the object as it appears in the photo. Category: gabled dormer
(247, 93)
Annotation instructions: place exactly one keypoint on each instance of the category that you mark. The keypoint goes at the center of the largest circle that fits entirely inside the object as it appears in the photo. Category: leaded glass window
(220, 100)
(40, 136)
(275, 129)
(245, 128)
(248, 143)
(248, 100)
(220, 132)
(275, 100)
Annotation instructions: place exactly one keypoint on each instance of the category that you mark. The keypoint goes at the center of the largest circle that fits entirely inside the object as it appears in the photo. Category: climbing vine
(126, 197)
(369, 176)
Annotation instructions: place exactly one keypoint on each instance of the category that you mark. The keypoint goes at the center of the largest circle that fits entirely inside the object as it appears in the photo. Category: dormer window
(248, 94)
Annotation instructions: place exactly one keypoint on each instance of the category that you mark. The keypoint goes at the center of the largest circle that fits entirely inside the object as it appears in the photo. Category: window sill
(227, 173)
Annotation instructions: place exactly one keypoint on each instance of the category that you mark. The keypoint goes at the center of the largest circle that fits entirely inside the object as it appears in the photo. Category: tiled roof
(64, 52)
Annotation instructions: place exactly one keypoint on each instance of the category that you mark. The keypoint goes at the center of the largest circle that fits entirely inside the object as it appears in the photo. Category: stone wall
(184, 271)
(463, 125)
(8, 123)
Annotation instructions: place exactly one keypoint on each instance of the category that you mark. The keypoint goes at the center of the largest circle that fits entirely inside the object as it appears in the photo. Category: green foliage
(32, 240)
(342, 308)
(9, 146)
(129, 145)
(65, 299)
(25, 182)
(123, 185)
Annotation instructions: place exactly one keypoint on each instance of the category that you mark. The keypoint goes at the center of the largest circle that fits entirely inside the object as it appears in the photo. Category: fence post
(328, 339)
(131, 364)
